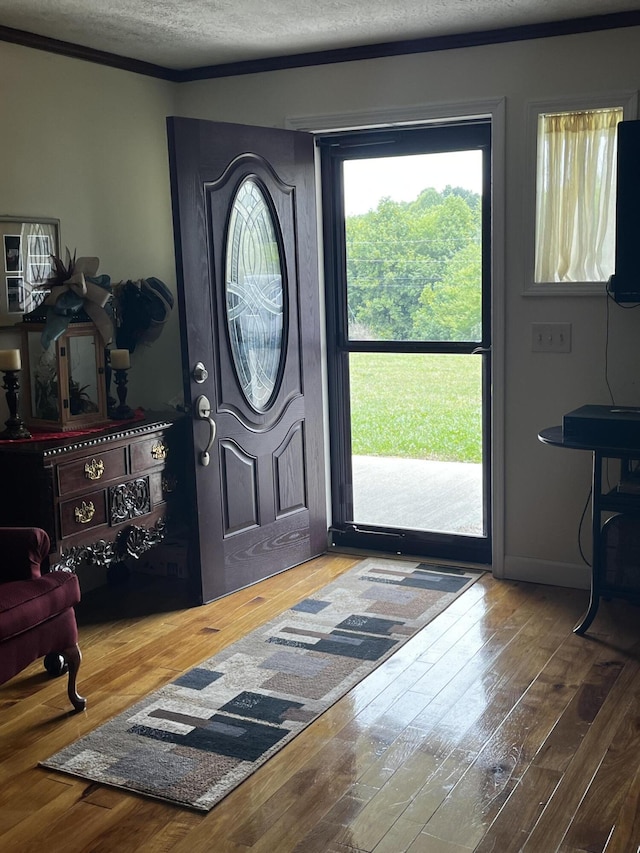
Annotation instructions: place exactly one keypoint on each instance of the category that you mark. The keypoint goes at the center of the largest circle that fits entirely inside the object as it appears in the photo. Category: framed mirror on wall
(28, 244)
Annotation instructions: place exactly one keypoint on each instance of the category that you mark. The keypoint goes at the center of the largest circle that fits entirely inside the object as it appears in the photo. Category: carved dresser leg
(73, 657)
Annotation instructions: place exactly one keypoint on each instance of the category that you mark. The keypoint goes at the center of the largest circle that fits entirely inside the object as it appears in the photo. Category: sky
(404, 178)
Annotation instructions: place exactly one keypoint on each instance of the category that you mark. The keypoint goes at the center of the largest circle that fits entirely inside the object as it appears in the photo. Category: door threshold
(422, 558)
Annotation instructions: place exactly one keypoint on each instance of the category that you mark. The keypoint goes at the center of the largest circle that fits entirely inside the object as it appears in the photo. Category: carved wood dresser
(101, 496)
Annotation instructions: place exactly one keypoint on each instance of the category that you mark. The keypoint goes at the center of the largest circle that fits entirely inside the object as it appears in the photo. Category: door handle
(481, 351)
(203, 408)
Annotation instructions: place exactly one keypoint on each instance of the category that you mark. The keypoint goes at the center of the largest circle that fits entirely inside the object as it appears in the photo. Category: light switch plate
(551, 337)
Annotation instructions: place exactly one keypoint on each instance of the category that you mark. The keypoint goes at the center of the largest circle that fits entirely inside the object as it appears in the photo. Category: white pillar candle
(10, 359)
(120, 359)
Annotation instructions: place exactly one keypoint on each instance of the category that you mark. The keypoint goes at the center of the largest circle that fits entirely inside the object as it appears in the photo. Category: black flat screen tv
(624, 284)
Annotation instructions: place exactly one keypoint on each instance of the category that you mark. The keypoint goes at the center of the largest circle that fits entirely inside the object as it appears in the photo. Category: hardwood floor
(495, 729)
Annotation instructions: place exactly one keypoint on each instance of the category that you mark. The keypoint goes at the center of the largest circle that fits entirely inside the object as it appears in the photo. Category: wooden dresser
(101, 496)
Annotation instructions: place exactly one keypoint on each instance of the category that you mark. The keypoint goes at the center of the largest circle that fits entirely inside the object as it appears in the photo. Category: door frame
(337, 149)
(495, 110)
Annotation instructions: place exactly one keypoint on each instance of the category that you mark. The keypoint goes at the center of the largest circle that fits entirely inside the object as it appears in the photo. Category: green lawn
(417, 406)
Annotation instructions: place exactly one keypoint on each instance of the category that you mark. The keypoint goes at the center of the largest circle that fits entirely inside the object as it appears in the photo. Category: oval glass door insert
(254, 294)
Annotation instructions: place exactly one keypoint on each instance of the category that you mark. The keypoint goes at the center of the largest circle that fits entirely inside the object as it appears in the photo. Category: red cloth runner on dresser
(38, 435)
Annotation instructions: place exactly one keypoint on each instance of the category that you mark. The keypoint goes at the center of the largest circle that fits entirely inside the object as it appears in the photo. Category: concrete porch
(418, 494)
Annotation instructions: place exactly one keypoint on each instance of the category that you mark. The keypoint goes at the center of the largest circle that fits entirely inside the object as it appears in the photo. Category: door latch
(200, 373)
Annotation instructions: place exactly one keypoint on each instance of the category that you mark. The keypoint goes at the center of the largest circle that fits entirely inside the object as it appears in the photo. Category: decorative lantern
(63, 343)
(65, 385)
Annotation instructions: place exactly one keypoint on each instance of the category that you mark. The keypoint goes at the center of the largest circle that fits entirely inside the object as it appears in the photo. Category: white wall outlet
(551, 337)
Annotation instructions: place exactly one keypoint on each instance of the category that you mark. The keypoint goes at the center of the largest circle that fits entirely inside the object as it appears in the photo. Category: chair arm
(22, 552)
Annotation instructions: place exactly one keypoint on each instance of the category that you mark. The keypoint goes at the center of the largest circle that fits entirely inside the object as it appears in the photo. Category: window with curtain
(576, 195)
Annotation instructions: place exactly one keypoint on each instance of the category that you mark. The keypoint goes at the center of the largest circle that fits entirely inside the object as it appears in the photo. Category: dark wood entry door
(245, 233)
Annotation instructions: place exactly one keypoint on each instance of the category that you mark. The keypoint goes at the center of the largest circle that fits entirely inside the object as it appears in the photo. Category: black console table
(612, 501)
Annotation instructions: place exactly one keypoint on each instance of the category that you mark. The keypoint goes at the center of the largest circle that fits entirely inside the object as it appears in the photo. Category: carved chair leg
(73, 657)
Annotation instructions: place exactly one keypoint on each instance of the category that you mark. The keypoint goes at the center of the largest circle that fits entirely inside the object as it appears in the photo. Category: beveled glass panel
(254, 294)
(83, 375)
(43, 366)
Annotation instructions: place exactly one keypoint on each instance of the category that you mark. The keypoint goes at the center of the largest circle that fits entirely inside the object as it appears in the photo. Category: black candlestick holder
(121, 412)
(111, 401)
(15, 428)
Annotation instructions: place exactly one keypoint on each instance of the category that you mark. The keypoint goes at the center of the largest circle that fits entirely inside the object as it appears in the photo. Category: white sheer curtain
(575, 195)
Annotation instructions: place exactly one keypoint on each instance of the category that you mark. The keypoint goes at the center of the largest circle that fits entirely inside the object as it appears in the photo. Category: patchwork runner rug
(194, 740)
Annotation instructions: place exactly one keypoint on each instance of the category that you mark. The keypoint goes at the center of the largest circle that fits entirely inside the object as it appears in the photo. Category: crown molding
(77, 51)
(572, 26)
(526, 32)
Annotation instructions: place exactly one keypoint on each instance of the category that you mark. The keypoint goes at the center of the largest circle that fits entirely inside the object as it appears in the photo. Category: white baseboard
(549, 572)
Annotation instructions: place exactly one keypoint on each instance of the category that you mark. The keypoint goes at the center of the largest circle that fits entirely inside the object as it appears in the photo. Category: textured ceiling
(182, 34)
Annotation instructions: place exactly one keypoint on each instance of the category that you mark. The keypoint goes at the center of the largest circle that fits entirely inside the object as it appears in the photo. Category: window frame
(628, 100)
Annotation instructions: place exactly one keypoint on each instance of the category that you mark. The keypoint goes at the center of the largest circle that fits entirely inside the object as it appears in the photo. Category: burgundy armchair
(36, 609)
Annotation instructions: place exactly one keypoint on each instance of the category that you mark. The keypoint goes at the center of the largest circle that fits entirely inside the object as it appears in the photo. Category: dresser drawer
(150, 453)
(82, 513)
(84, 473)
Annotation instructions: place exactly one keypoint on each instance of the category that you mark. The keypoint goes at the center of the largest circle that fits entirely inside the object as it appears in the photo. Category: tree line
(414, 268)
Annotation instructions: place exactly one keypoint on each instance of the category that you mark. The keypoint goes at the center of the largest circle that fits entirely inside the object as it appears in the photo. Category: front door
(245, 233)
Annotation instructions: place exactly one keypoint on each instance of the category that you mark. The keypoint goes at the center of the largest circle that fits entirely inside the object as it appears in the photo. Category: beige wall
(89, 146)
(544, 488)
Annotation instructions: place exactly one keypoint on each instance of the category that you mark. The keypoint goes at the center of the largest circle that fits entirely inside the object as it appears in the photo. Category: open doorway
(407, 246)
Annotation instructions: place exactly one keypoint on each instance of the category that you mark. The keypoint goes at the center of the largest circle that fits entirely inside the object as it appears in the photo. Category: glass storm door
(407, 229)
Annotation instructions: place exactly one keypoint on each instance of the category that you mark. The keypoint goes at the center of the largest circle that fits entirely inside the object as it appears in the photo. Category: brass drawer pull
(94, 470)
(84, 513)
(159, 450)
